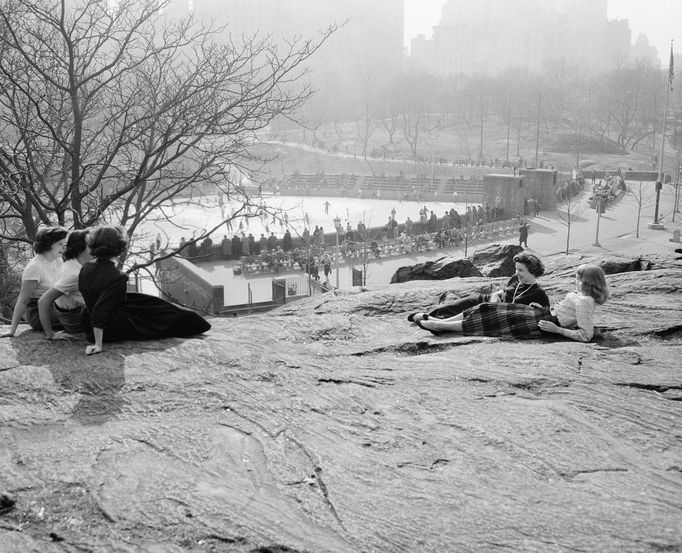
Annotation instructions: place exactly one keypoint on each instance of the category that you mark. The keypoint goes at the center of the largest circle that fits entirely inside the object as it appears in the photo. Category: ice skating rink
(205, 213)
(183, 220)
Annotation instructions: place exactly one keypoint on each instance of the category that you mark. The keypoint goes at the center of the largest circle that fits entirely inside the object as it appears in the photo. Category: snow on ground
(185, 219)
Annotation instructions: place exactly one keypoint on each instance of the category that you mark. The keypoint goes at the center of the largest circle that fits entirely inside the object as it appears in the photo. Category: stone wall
(187, 284)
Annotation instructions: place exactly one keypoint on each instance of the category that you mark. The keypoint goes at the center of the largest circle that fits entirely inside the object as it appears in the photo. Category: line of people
(235, 247)
(72, 288)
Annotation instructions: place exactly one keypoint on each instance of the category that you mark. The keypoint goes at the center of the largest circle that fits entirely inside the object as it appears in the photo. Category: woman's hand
(549, 326)
(496, 297)
(99, 337)
(535, 305)
(62, 335)
(92, 350)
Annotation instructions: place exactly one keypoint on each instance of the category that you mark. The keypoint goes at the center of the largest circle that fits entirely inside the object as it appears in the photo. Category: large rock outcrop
(439, 269)
(332, 424)
(495, 260)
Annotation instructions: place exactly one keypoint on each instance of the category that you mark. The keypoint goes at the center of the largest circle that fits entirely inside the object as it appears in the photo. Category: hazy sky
(661, 20)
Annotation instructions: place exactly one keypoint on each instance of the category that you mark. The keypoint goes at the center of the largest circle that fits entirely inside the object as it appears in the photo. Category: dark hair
(75, 244)
(532, 263)
(107, 242)
(593, 282)
(46, 237)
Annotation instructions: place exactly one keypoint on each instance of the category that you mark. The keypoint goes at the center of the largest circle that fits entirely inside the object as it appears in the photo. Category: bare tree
(367, 101)
(626, 92)
(10, 282)
(483, 86)
(415, 96)
(539, 100)
(109, 111)
(504, 103)
(642, 198)
(569, 213)
(366, 253)
(390, 109)
(561, 83)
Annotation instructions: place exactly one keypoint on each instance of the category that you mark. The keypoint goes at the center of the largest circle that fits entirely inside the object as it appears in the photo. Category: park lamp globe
(337, 224)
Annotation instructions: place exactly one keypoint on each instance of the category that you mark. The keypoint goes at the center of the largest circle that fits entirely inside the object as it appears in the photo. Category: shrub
(10, 283)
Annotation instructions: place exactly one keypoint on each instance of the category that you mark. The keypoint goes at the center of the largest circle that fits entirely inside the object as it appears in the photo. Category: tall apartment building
(371, 34)
(490, 36)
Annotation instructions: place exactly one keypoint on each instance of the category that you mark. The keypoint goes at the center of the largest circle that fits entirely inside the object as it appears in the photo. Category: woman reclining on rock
(521, 288)
(572, 317)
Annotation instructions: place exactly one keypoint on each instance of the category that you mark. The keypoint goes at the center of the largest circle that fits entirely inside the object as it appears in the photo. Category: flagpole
(656, 224)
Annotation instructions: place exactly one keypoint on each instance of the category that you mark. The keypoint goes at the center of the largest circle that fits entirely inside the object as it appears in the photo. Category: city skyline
(655, 18)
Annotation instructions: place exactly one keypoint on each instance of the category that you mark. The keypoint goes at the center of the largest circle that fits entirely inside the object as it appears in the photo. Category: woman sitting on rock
(64, 296)
(38, 276)
(572, 317)
(114, 315)
(522, 288)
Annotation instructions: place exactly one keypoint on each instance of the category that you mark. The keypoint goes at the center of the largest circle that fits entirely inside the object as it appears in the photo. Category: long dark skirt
(456, 307)
(503, 320)
(145, 317)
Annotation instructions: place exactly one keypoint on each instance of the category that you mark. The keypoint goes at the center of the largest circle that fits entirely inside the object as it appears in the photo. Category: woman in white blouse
(38, 276)
(64, 295)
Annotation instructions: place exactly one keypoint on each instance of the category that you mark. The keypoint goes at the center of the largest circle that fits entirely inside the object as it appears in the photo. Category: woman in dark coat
(522, 288)
(114, 315)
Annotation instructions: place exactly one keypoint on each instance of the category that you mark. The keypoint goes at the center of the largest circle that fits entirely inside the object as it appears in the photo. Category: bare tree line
(622, 108)
(109, 111)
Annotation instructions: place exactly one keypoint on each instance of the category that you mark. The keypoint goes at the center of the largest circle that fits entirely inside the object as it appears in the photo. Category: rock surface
(334, 425)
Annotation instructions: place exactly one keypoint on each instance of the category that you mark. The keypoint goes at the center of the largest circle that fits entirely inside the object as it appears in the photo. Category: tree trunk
(508, 135)
(639, 207)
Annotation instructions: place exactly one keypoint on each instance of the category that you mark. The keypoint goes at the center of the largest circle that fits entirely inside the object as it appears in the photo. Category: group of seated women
(86, 293)
(522, 307)
(72, 286)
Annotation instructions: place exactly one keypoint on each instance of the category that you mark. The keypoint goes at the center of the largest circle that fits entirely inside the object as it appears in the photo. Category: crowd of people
(71, 288)
(607, 190)
(384, 154)
(427, 231)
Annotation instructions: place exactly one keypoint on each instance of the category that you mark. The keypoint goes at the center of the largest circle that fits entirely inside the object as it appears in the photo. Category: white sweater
(574, 311)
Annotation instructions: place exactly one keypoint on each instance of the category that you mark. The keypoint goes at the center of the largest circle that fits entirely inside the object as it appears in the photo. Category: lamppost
(656, 223)
(676, 202)
(599, 209)
(337, 226)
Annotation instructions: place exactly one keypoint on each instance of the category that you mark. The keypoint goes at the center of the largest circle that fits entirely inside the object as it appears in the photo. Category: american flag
(671, 69)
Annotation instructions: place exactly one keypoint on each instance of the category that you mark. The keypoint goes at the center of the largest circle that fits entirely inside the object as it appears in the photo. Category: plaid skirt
(504, 320)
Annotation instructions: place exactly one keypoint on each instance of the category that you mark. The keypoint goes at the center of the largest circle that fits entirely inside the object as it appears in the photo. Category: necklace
(517, 294)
